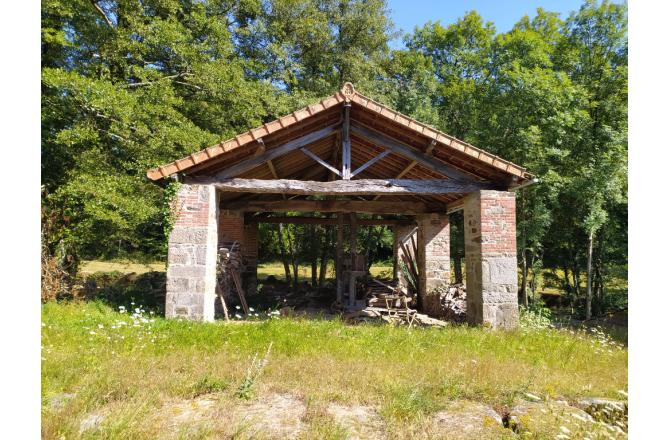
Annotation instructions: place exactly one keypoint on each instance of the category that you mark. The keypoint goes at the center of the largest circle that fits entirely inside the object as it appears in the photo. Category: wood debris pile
(229, 276)
(389, 303)
(453, 303)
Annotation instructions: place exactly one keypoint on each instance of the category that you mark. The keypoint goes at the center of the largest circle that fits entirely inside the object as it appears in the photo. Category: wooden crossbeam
(273, 153)
(345, 187)
(403, 207)
(404, 150)
(299, 220)
(321, 161)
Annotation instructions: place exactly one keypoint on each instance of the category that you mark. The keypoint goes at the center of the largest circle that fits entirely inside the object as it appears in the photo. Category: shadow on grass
(126, 289)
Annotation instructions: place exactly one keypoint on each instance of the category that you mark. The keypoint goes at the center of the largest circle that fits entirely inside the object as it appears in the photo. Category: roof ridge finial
(347, 90)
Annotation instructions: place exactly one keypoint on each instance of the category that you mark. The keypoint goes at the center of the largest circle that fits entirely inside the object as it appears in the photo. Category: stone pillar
(491, 259)
(433, 259)
(191, 255)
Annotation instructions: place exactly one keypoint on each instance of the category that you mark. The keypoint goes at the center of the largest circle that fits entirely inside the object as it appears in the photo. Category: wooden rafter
(402, 149)
(370, 162)
(319, 160)
(273, 153)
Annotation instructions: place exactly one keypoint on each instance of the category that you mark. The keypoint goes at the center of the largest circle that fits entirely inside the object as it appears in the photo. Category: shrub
(536, 316)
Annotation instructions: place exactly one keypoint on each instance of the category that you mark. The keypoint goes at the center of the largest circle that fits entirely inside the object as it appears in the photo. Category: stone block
(190, 271)
(189, 235)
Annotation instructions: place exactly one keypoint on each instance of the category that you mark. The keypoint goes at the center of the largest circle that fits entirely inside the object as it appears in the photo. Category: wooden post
(339, 258)
(353, 257)
(395, 255)
(345, 156)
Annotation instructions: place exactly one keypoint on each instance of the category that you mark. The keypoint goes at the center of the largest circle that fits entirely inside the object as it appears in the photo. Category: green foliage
(535, 317)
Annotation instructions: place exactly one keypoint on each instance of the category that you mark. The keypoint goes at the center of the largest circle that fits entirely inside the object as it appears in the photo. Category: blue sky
(407, 14)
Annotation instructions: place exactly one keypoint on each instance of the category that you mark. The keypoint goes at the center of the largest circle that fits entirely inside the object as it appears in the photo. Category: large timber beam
(405, 208)
(298, 220)
(273, 153)
(345, 187)
(402, 149)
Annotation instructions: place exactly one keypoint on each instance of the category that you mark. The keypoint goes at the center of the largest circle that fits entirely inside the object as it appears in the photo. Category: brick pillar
(191, 255)
(491, 259)
(433, 259)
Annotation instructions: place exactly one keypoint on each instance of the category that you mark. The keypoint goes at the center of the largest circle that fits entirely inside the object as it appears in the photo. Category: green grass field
(107, 362)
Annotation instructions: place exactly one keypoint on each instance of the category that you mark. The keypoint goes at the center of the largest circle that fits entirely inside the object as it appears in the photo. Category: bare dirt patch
(360, 422)
(271, 416)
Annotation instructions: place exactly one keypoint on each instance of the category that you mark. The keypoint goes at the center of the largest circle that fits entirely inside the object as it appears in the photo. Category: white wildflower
(91, 332)
(238, 308)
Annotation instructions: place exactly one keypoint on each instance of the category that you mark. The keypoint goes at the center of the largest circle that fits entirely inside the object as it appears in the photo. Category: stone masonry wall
(491, 259)
(191, 255)
(433, 259)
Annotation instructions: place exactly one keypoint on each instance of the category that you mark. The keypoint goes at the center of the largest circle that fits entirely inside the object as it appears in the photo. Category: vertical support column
(192, 254)
(345, 153)
(352, 296)
(250, 255)
(339, 257)
(491, 259)
(433, 259)
(400, 232)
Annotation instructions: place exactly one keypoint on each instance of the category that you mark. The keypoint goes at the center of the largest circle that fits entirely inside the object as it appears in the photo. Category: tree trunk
(459, 277)
(284, 257)
(589, 275)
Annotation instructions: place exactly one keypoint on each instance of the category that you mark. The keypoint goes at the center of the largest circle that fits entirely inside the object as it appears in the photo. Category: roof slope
(298, 121)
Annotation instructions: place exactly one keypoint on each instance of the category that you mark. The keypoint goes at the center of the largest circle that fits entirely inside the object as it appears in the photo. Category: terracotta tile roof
(346, 94)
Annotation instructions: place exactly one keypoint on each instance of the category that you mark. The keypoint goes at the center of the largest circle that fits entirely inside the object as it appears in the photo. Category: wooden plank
(273, 153)
(369, 163)
(300, 220)
(342, 187)
(406, 151)
(385, 207)
(322, 162)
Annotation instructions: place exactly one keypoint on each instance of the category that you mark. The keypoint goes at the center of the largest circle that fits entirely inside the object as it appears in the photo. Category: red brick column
(433, 259)
(491, 259)
(191, 255)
